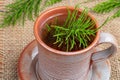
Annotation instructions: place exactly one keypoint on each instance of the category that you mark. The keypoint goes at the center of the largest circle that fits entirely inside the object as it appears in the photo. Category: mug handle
(106, 53)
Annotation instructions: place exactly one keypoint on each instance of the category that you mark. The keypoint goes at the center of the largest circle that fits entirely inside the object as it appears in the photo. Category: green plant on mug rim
(77, 29)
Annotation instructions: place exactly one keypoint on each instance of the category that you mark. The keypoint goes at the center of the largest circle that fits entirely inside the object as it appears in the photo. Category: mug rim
(39, 40)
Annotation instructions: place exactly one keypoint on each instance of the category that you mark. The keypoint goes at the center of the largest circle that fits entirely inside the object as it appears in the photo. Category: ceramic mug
(60, 65)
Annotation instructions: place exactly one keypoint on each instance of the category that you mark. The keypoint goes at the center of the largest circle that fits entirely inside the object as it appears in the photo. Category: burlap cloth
(14, 39)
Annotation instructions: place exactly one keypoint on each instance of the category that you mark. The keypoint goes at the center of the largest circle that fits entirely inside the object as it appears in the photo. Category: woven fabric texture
(14, 39)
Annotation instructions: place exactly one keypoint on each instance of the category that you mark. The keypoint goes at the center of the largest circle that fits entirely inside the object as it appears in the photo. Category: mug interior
(48, 17)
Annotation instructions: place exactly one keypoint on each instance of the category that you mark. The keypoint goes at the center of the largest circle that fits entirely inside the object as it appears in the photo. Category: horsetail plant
(77, 28)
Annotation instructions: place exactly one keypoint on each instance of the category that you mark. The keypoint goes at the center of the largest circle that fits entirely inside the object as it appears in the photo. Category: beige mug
(59, 65)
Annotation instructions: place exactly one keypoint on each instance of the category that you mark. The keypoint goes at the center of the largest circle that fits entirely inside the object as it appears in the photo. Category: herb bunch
(21, 10)
(108, 6)
(76, 30)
